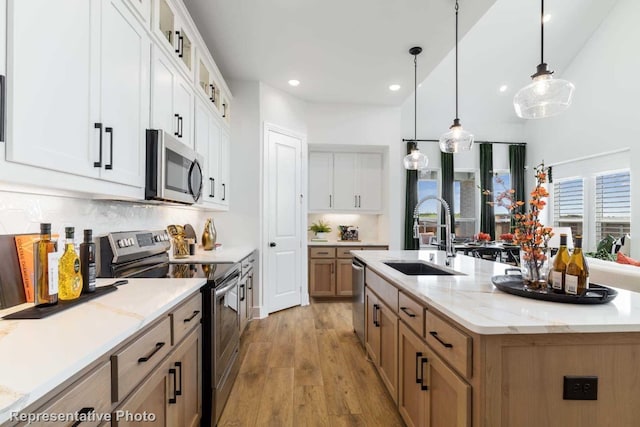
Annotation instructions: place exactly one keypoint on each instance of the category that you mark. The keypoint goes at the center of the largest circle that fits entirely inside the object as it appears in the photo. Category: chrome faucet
(447, 225)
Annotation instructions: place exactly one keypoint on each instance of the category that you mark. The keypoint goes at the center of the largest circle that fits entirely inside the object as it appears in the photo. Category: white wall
(604, 115)
(347, 124)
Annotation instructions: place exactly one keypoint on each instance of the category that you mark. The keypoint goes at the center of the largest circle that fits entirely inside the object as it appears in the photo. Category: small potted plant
(320, 228)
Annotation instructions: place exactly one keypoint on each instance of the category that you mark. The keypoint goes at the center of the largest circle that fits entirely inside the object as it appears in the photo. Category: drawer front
(385, 290)
(134, 362)
(345, 252)
(412, 313)
(90, 394)
(186, 317)
(452, 344)
(322, 252)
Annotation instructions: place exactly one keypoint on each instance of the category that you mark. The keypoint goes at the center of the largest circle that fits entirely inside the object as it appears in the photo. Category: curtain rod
(475, 142)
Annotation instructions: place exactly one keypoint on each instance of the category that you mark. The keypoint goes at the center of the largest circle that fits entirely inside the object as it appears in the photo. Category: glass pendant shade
(543, 97)
(456, 139)
(415, 160)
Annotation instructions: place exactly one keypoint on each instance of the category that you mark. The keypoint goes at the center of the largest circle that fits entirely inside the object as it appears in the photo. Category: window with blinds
(568, 203)
(613, 204)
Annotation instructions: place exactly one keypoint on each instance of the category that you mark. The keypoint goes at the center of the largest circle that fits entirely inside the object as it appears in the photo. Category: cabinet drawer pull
(146, 358)
(180, 126)
(109, 130)
(376, 307)
(323, 253)
(224, 110)
(330, 201)
(174, 399)
(224, 191)
(177, 132)
(355, 203)
(189, 319)
(407, 312)
(85, 410)
(423, 362)
(418, 372)
(98, 164)
(435, 335)
(179, 390)
(212, 193)
(213, 93)
(242, 293)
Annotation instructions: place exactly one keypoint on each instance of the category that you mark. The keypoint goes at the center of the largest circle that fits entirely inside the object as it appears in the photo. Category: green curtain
(487, 216)
(517, 156)
(446, 160)
(410, 203)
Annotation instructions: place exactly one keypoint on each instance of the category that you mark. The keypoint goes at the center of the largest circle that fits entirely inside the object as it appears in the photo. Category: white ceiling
(351, 51)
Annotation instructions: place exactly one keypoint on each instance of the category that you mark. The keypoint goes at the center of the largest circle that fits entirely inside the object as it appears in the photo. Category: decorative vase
(209, 235)
(534, 268)
(321, 235)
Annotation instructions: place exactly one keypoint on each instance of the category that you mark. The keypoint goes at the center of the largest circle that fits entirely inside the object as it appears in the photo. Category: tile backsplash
(367, 225)
(23, 213)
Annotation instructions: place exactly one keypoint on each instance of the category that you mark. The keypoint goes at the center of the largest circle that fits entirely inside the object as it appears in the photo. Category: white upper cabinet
(345, 182)
(174, 35)
(225, 171)
(88, 116)
(143, 10)
(207, 138)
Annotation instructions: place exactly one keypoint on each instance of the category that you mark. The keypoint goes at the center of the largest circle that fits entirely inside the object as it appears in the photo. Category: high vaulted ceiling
(351, 51)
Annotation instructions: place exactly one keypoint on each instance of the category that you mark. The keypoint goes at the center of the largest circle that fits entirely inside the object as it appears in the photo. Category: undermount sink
(418, 268)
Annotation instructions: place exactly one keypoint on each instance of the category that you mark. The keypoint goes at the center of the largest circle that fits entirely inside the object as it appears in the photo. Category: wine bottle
(577, 272)
(88, 262)
(45, 286)
(557, 276)
(69, 276)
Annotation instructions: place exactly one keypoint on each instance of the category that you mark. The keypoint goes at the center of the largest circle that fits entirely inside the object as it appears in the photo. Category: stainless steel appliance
(173, 170)
(357, 283)
(145, 254)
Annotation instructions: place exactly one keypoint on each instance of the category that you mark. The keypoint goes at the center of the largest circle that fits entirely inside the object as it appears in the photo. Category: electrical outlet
(580, 388)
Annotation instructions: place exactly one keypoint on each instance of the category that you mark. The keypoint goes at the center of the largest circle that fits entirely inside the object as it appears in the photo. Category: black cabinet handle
(376, 322)
(109, 166)
(174, 399)
(355, 203)
(224, 110)
(359, 202)
(407, 312)
(224, 191)
(177, 132)
(190, 318)
(435, 335)
(330, 201)
(423, 362)
(179, 390)
(213, 93)
(249, 287)
(180, 126)
(180, 48)
(242, 293)
(98, 164)
(83, 411)
(212, 191)
(418, 372)
(323, 253)
(148, 357)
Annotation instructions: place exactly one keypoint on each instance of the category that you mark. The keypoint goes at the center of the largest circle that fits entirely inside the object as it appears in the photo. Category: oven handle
(222, 291)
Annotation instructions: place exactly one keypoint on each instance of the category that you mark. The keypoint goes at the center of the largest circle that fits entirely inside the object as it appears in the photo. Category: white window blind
(613, 204)
(568, 203)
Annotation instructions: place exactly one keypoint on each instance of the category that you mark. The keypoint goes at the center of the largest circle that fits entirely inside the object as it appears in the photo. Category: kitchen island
(453, 350)
(41, 359)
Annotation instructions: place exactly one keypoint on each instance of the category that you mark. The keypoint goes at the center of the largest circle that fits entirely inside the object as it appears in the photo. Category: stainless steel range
(144, 254)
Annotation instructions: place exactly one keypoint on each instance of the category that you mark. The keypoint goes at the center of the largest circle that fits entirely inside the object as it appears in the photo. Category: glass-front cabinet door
(172, 30)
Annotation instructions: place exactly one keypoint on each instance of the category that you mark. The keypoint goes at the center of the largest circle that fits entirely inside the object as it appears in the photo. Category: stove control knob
(132, 241)
(156, 238)
(121, 243)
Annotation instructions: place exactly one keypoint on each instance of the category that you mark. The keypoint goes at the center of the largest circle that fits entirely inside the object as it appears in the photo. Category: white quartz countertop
(347, 243)
(37, 355)
(222, 255)
(473, 301)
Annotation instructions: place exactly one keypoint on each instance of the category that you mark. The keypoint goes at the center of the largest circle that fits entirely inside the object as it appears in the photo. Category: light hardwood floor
(305, 367)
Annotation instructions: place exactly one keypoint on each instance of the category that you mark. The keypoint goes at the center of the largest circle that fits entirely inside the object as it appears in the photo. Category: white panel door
(183, 107)
(320, 181)
(369, 185)
(163, 75)
(344, 176)
(124, 75)
(284, 207)
(50, 80)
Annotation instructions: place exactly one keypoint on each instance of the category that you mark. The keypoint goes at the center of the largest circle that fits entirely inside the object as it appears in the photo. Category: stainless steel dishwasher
(357, 272)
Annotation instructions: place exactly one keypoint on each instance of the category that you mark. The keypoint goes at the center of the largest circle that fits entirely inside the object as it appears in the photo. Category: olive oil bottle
(45, 275)
(69, 275)
(577, 272)
(558, 270)
(88, 262)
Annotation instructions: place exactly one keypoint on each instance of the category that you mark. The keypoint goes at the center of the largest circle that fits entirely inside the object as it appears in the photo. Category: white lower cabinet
(88, 116)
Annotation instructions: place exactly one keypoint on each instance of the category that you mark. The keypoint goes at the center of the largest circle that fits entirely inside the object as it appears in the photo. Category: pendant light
(415, 160)
(456, 138)
(545, 96)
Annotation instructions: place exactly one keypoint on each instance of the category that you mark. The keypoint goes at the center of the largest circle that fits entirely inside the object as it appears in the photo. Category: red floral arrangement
(507, 237)
(482, 237)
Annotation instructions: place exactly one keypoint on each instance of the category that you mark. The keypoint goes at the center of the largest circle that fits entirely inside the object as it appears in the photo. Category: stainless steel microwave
(173, 170)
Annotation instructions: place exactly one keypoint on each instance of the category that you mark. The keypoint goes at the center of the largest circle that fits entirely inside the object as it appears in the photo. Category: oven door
(226, 326)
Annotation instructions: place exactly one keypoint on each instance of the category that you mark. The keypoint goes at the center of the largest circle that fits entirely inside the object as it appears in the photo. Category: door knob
(272, 244)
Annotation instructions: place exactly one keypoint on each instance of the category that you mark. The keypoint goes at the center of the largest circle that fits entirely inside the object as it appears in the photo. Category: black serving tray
(42, 312)
(513, 284)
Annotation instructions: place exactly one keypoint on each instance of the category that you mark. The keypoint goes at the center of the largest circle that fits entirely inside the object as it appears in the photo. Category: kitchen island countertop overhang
(471, 300)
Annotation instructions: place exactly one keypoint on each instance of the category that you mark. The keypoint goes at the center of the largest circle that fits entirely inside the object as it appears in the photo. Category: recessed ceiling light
(503, 88)
(546, 18)
(394, 87)
(294, 82)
